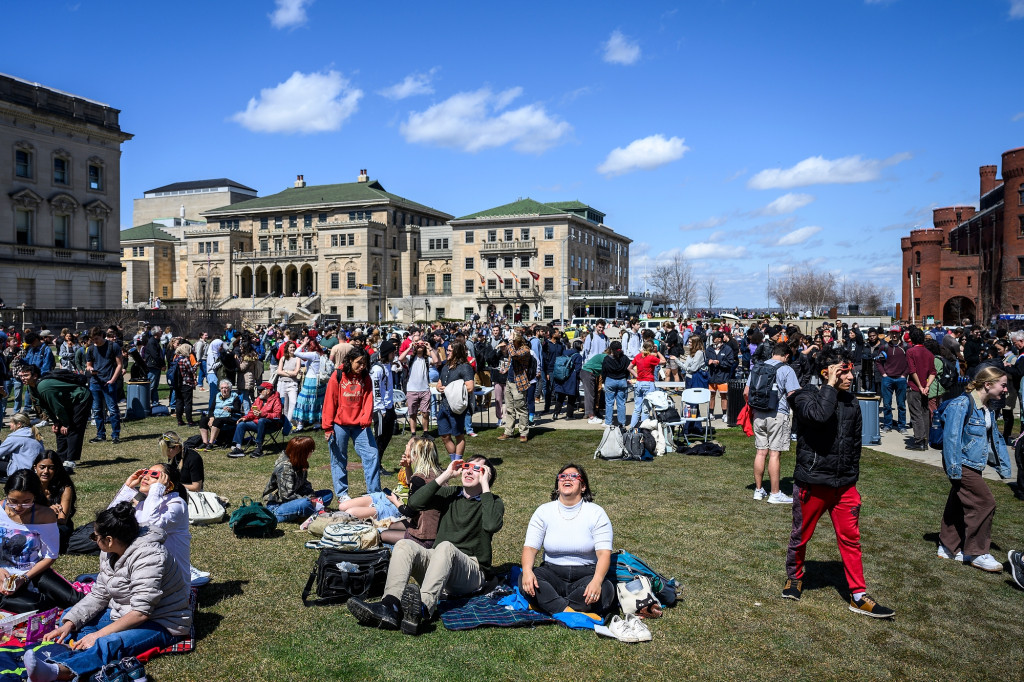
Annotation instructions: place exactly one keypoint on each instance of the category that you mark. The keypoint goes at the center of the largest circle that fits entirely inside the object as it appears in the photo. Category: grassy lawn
(691, 518)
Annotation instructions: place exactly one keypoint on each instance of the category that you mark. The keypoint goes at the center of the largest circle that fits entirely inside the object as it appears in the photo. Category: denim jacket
(964, 444)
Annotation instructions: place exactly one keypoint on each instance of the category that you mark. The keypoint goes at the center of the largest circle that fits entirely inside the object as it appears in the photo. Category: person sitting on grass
(827, 468)
(59, 491)
(30, 545)
(418, 466)
(263, 416)
(138, 602)
(23, 444)
(226, 410)
(460, 558)
(576, 536)
(186, 460)
(289, 493)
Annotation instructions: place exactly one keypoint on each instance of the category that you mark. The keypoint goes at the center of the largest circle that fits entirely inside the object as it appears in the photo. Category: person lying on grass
(139, 601)
(460, 558)
(576, 536)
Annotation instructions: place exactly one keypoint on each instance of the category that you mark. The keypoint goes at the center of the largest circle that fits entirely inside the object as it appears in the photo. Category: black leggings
(562, 586)
(53, 590)
(1007, 423)
(562, 399)
(183, 403)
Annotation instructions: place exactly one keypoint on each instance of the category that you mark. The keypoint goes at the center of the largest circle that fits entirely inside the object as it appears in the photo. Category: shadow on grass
(215, 592)
(206, 623)
(822, 574)
(90, 463)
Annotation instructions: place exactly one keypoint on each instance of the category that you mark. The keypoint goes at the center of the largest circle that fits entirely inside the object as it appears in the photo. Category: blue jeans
(531, 399)
(19, 395)
(260, 426)
(615, 397)
(366, 447)
(154, 386)
(300, 509)
(641, 389)
(201, 373)
(111, 648)
(211, 381)
(899, 386)
(172, 399)
(469, 413)
(104, 394)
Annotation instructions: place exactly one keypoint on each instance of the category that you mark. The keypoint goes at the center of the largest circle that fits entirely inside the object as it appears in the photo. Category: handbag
(350, 536)
(341, 574)
(252, 520)
(204, 508)
(637, 595)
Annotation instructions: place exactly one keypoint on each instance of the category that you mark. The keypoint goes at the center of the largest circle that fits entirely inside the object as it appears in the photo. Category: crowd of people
(353, 385)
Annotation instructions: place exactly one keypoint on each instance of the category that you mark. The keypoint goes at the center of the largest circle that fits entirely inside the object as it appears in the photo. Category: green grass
(691, 518)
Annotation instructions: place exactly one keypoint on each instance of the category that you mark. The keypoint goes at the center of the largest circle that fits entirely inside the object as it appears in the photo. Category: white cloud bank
(643, 154)
(1017, 9)
(621, 50)
(701, 250)
(787, 203)
(305, 103)
(411, 85)
(798, 236)
(818, 170)
(471, 121)
(290, 13)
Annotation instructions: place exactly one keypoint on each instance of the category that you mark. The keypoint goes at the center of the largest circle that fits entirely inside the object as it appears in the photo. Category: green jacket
(594, 362)
(466, 523)
(59, 397)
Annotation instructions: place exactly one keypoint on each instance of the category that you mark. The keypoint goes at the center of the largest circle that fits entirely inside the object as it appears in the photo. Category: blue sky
(741, 133)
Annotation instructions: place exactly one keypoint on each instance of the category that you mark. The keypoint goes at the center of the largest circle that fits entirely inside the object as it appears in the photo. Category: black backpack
(334, 586)
(764, 394)
(633, 445)
(67, 376)
(947, 375)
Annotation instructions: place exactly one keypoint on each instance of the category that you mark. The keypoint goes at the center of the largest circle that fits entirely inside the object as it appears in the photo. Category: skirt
(310, 403)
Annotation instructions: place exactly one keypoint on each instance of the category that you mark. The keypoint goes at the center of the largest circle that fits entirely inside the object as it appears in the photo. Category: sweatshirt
(467, 523)
(58, 399)
(348, 402)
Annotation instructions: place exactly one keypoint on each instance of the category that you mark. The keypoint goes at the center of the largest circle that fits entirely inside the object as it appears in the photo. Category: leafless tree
(711, 292)
(812, 288)
(781, 289)
(674, 282)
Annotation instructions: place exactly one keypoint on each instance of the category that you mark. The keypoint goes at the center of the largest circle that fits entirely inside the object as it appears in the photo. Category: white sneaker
(343, 498)
(594, 420)
(780, 498)
(642, 632)
(944, 553)
(985, 562)
(199, 578)
(760, 494)
(619, 629)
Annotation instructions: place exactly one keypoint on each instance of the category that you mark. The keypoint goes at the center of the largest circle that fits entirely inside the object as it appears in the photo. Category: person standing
(199, 350)
(891, 366)
(67, 408)
(104, 366)
(519, 373)
(721, 361)
(154, 357)
(644, 368)
(970, 441)
(348, 416)
(615, 372)
(772, 425)
(383, 397)
(185, 384)
(921, 373)
(595, 344)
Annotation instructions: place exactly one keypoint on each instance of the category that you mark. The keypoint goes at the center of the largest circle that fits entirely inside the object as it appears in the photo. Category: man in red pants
(827, 468)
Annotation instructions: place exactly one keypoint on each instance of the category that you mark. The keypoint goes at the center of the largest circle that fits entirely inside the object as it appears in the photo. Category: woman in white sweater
(576, 537)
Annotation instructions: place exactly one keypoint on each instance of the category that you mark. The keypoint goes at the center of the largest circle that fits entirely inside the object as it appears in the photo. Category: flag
(515, 278)
(483, 280)
(535, 276)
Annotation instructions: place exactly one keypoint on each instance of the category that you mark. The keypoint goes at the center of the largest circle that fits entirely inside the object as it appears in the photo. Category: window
(96, 177)
(1019, 274)
(394, 242)
(917, 257)
(470, 284)
(467, 313)
(492, 262)
(352, 239)
(23, 163)
(431, 283)
(307, 220)
(322, 218)
(444, 243)
(549, 284)
(524, 233)
(292, 243)
(278, 223)
(264, 246)
(919, 279)
(524, 282)
(446, 284)
(1021, 220)
(549, 312)
(61, 173)
(508, 235)
(60, 230)
(524, 261)
(350, 280)
(469, 263)
(492, 235)
(277, 245)
(216, 247)
(432, 244)
(439, 313)
(376, 279)
(572, 260)
(307, 242)
(549, 260)
(350, 312)
(360, 215)
(492, 285)
(165, 252)
(23, 220)
(549, 233)
(376, 240)
(508, 261)
(293, 221)
(334, 240)
(415, 243)
(335, 280)
(264, 223)
(917, 306)
(1020, 196)
(230, 224)
(507, 284)
(470, 236)
(216, 286)
(165, 291)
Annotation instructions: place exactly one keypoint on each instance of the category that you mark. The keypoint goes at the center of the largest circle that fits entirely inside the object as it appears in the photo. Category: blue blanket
(481, 611)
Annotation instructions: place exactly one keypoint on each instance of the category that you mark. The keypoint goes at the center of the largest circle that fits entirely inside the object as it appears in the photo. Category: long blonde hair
(987, 375)
(24, 421)
(424, 457)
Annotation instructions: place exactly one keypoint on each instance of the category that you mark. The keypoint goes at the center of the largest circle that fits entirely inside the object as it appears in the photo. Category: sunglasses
(569, 477)
(152, 473)
(170, 439)
(19, 505)
(471, 465)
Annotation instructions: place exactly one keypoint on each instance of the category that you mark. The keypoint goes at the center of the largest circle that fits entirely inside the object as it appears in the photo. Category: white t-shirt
(569, 536)
(419, 375)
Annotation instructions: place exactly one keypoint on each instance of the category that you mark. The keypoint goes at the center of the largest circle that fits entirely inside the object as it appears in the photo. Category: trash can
(138, 400)
(735, 400)
(869, 433)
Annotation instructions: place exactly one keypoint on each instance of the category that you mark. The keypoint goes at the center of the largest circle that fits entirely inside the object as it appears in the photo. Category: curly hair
(351, 356)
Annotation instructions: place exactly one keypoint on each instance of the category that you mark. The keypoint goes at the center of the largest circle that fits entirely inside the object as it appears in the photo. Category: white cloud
(787, 203)
(305, 103)
(798, 236)
(818, 170)
(712, 222)
(289, 13)
(1019, 116)
(701, 250)
(471, 121)
(1017, 9)
(643, 154)
(413, 84)
(621, 50)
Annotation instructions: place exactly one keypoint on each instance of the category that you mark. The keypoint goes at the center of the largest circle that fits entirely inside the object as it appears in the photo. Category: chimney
(299, 182)
(363, 177)
(988, 179)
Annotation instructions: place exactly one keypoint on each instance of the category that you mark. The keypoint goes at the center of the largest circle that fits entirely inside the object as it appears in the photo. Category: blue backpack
(628, 566)
(938, 424)
(563, 368)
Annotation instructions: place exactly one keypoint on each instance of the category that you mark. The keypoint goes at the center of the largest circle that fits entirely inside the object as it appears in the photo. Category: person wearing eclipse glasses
(825, 480)
(460, 558)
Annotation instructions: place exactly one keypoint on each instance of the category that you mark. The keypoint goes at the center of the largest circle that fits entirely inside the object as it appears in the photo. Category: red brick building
(970, 263)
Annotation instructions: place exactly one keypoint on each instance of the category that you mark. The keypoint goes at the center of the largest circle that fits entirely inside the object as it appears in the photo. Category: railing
(515, 245)
(62, 254)
(436, 253)
(277, 254)
(604, 253)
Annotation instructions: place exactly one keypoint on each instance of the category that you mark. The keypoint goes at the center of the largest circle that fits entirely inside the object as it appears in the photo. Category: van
(584, 321)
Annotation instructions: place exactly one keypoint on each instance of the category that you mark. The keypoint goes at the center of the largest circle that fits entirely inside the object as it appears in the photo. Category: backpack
(67, 376)
(611, 445)
(350, 536)
(341, 574)
(650, 444)
(633, 446)
(938, 424)
(947, 375)
(204, 509)
(563, 368)
(629, 567)
(252, 520)
(173, 374)
(764, 394)
(669, 415)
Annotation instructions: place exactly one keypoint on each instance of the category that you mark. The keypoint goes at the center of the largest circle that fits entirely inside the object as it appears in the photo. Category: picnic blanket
(12, 657)
(482, 611)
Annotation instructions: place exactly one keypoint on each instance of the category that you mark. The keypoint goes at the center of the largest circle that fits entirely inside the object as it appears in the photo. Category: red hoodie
(348, 402)
(269, 408)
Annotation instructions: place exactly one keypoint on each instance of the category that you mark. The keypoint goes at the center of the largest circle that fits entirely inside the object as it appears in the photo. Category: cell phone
(386, 491)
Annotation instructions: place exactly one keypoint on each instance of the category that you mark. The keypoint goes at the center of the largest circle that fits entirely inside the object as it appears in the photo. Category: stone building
(970, 263)
(187, 201)
(60, 199)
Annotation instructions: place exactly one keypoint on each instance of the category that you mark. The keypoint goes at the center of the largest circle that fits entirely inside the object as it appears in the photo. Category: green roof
(147, 231)
(349, 192)
(568, 205)
(522, 207)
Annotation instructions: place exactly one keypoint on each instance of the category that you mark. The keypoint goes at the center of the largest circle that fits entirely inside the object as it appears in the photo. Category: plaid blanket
(482, 611)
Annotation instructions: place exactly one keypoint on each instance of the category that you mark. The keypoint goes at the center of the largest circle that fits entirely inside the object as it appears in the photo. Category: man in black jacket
(827, 468)
(154, 356)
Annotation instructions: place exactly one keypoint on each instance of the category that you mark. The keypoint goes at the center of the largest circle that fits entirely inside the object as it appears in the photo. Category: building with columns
(60, 199)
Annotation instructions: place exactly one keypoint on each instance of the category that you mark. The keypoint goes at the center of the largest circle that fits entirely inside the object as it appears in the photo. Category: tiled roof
(147, 231)
(315, 195)
(523, 207)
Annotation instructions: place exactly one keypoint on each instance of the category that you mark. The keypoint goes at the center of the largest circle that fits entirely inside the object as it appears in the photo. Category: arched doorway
(957, 309)
(291, 278)
(307, 280)
(524, 311)
(491, 310)
(507, 311)
(246, 282)
(276, 280)
(262, 281)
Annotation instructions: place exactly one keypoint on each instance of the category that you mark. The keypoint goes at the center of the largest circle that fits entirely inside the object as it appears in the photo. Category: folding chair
(696, 397)
(401, 408)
